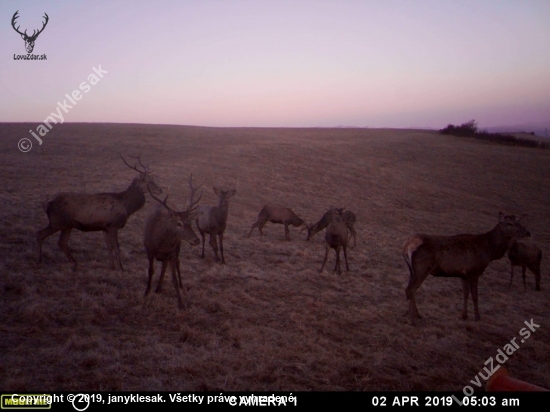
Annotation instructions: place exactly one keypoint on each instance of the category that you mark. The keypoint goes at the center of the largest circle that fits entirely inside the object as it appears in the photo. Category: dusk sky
(383, 63)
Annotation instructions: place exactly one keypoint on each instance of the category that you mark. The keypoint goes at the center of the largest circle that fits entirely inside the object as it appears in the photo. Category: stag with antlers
(107, 212)
(165, 228)
(29, 40)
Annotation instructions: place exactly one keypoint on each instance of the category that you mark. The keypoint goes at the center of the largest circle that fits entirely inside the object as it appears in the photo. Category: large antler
(15, 16)
(145, 171)
(162, 202)
(43, 26)
(34, 33)
(193, 204)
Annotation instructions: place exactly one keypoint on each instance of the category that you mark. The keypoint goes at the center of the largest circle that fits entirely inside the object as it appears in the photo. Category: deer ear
(232, 192)
(500, 216)
(216, 191)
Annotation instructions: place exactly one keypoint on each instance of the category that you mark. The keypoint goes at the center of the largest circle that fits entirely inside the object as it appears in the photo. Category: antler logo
(29, 40)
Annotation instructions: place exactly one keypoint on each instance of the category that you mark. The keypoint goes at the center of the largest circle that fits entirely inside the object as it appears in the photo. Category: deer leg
(178, 270)
(162, 272)
(150, 272)
(325, 260)
(109, 241)
(346, 257)
(523, 270)
(473, 289)
(254, 225)
(40, 236)
(221, 247)
(536, 270)
(414, 284)
(354, 240)
(175, 282)
(465, 294)
(511, 275)
(202, 236)
(111, 238)
(261, 227)
(337, 264)
(287, 232)
(63, 244)
(214, 245)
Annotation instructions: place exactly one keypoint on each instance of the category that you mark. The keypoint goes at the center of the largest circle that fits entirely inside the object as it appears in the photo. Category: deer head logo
(29, 40)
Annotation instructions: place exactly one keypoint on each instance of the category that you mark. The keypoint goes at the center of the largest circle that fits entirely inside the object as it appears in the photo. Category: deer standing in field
(165, 228)
(336, 237)
(525, 253)
(87, 212)
(214, 220)
(277, 214)
(349, 218)
(464, 256)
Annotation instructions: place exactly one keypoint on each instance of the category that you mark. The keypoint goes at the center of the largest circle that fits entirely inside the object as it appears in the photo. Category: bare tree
(527, 254)
(464, 256)
(277, 214)
(214, 221)
(165, 228)
(107, 212)
(336, 237)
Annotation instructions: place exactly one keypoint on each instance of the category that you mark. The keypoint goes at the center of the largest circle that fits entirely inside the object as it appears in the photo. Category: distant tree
(465, 129)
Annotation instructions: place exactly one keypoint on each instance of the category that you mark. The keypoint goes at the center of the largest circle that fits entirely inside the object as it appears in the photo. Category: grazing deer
(107, 212)
(165, 228)
(336, 237)
(349, 218)
(525, 253)
(277, 214)
(465, 256)
(214, 220)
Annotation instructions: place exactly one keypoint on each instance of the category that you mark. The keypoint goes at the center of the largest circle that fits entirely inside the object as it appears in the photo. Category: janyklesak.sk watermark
(25, 144)
(501, 357)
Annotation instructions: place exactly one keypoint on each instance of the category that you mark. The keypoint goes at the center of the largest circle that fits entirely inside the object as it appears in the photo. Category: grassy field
(267, 320)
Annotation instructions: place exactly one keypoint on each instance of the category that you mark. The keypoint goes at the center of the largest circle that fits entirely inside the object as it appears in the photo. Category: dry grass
(267, 320)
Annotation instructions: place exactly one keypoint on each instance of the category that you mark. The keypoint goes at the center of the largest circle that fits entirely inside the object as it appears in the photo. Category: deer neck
(497, 244)
(133, 198)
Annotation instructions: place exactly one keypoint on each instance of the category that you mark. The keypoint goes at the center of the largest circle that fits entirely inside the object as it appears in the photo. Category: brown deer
(214, 220)
(464, 256)
(165, 228)
(277, 214)
(336, 237)
(349, 218)
(525, 253)
(87, 212)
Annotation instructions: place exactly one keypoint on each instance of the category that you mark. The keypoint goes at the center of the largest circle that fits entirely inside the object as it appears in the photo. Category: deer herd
(465, 256)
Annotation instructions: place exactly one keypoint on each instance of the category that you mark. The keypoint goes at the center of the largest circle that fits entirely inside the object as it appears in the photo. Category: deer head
(29, 40)
(145, 180)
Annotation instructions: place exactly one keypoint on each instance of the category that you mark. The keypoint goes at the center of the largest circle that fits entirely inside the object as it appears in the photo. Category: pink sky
(282, 63)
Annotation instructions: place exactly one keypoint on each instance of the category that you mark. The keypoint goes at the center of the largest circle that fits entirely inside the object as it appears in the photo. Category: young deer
(165, 228)
(277, 214)
(464, 256)
(107, 212)
(349, 218)
(336, 237)
(214, 220)
(527, 254)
